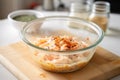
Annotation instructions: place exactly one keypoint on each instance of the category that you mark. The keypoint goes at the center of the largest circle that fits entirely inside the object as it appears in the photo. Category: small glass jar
(100, 14)
(81, 9)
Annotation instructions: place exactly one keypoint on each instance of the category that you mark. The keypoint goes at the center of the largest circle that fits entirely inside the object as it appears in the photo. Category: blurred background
(6, 6)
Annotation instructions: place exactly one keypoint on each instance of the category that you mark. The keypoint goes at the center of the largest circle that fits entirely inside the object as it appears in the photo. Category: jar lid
(101, 7)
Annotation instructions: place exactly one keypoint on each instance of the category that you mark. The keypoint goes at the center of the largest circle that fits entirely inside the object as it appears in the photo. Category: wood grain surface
(18, 60)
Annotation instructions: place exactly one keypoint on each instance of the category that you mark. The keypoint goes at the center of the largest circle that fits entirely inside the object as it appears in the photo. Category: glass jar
(81, 9)
(100, 14)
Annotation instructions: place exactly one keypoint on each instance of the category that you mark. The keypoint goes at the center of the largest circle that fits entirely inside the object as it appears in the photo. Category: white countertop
(10, 35)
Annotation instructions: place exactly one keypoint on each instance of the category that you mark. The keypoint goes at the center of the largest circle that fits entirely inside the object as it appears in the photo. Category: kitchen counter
(9, 35)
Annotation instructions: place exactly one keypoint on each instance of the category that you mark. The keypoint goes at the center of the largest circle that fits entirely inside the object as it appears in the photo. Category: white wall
(6, 6)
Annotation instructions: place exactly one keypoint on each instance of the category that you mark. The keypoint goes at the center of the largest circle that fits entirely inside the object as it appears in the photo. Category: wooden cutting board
(17, 59)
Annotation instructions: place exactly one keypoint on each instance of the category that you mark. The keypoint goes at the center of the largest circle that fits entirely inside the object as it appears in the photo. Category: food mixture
(102, 21)
(56, 61)
(25, 18)
(60, 43)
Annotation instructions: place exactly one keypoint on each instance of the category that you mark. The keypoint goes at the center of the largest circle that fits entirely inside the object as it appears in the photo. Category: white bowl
(19, 24)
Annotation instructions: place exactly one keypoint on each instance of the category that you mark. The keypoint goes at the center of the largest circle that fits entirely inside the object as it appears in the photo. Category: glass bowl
(61, 43)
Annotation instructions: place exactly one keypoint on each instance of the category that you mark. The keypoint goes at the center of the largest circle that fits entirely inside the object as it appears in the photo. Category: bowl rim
(13, 14)
(100, 38)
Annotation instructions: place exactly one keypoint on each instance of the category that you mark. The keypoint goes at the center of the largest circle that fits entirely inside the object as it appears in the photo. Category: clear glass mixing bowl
(62, 26)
